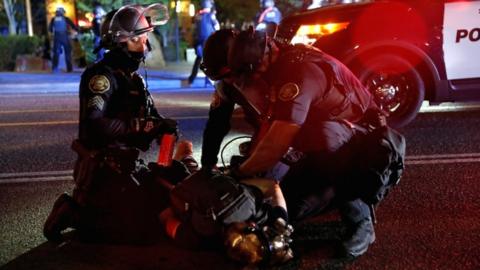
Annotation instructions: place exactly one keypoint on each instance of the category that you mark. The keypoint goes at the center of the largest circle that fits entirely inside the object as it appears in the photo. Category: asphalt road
(430, 221)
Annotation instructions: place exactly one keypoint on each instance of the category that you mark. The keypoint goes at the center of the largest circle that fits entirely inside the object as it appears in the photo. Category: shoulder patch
(99, 84)
(288, 92)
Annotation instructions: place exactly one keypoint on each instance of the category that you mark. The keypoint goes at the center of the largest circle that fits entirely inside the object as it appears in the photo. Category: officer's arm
(96, 91)
(72, 25)
(271, 148)
(50, 26)
(218, 125)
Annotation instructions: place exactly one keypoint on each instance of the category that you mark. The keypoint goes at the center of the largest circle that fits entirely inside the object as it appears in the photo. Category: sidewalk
(169, 77)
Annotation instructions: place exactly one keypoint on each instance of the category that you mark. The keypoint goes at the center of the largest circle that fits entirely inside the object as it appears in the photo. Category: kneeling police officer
(313, 99)
(117, 119)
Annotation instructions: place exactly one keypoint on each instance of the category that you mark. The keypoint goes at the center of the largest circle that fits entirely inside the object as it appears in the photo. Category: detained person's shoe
(359, 236)
(61, 217)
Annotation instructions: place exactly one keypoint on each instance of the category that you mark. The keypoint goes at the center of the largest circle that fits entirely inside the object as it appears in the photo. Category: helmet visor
(133, 20)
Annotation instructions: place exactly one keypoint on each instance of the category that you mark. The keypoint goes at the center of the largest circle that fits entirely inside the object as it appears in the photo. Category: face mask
(137, 56)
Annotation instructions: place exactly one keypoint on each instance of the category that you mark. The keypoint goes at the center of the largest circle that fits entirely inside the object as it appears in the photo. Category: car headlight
(308, 34)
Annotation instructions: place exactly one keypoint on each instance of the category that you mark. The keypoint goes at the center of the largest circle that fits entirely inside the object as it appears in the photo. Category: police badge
(288, 92)
(99, 84)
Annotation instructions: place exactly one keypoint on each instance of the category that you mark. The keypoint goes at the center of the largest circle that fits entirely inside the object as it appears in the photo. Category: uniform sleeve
(50, 25)
(217, 126)
(96, 92)
(297, 92)
(72, 25)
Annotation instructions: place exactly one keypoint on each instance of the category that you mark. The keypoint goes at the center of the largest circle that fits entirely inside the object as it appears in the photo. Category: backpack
(208, 202)
(378, 163)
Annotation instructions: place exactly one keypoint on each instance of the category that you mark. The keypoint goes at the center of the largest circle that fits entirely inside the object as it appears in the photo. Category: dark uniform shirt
(112, 94)
(251, 99)
(320, 89)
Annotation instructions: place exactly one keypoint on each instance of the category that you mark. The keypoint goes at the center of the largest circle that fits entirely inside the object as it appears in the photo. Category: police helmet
(215, 54)
(247, 51)
(60, 11)
(207, 4)
(98, 12)
(268, 3)
(133, 20)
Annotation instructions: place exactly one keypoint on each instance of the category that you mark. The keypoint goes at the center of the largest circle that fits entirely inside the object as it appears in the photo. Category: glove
(169, 126)
(145, 125)
(154, 126)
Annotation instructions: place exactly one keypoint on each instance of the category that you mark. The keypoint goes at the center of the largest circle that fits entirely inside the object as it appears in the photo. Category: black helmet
(247, 51)
(133, 20)
(207, 4)
(215, 54)
(60, 11)
(106, 38)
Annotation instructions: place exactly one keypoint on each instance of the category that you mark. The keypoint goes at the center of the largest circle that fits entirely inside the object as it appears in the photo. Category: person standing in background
(98, 14)
(269, 14)
(60, 26)
(205, 24)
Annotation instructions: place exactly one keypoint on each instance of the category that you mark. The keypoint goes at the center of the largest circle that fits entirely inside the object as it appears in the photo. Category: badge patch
(288, 92)
(99, 84)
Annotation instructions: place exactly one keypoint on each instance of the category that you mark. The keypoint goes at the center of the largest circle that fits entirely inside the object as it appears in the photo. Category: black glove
(169, 126)
(154, 126)
(145, 125)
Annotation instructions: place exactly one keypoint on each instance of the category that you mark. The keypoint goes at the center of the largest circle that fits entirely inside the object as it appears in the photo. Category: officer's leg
(360, 231)
(56, 53)
(68, 54)
(196, 64)
(65, 214)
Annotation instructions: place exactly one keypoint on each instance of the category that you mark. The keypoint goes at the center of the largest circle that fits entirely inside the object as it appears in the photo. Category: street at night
(431, 220)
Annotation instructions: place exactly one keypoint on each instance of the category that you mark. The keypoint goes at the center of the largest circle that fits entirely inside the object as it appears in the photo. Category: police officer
(205, 24)
(59, 26)
(226, 95)
(313, 99)
(268, 15)
(98, 14)
(117, 118)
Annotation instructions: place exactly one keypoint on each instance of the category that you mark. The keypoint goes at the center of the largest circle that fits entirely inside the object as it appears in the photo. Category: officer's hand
(145, 125)
(169, 126)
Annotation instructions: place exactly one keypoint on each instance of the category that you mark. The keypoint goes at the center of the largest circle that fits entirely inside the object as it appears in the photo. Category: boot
(359, 236)
(61, 217)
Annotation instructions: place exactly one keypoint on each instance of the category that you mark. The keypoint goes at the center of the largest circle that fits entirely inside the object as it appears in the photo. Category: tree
(9, 7)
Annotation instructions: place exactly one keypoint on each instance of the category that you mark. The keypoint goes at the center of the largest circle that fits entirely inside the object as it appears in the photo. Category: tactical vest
(345, 97)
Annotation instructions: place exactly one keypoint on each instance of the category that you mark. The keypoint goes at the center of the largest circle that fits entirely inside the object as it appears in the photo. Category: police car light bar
(308, 34)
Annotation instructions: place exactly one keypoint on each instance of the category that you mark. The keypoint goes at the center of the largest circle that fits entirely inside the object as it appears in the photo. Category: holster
(88, 161)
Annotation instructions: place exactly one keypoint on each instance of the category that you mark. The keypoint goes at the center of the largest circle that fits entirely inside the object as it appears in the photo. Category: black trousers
(311, 185)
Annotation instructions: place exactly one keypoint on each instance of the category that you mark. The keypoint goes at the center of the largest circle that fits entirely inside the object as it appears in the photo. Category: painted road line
(442, 161)
(36, 179)
(50, 123)
(27, 174)
(27, 177)
(442, 156)
(71, 122)
(36, 111)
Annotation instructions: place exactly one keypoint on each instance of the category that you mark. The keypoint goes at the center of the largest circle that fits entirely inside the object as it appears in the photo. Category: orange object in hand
(165, 153)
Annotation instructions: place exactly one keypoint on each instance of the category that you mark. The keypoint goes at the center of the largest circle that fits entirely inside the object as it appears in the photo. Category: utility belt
(121, 160)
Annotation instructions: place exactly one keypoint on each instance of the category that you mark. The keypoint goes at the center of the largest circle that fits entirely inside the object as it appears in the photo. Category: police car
(403, 51)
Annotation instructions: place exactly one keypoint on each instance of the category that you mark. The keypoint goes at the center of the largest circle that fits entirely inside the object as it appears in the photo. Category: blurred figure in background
(98, 14)
(269, 14)
(205, 24)
(60, 27)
